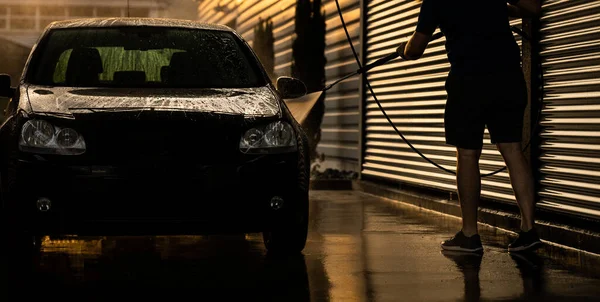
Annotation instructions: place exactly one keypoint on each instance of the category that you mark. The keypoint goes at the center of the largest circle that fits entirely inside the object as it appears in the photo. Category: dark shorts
(497, 101)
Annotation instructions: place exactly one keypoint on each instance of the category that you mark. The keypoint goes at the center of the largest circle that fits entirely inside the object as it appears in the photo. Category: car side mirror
(5, 89)
(291, 88)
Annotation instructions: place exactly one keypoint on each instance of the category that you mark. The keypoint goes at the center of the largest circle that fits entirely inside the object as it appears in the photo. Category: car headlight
(39, 136)
(276, 137)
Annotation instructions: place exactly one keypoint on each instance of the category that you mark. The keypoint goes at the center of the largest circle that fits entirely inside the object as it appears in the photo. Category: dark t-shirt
(478, 35)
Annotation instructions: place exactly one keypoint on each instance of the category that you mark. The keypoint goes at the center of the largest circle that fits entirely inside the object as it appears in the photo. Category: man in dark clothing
(485, 87)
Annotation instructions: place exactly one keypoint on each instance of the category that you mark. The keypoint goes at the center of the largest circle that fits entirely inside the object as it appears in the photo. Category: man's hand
(401, 49)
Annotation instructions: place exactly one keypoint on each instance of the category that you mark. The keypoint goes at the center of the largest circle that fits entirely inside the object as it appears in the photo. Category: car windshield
(136, 57)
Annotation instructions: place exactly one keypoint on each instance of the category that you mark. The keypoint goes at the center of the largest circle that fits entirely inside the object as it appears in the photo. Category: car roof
(119, 22)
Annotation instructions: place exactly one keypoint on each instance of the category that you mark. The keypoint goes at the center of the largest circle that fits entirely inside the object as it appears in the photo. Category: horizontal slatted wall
(217, 11)
(246, 16)
(339, 140)
(282, 14)
(571, 116)
(414, 97)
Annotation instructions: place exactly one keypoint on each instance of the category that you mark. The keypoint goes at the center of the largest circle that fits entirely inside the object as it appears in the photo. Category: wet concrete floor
(360, 248)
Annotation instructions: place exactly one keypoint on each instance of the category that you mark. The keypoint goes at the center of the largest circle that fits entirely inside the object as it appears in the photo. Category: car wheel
(20, 240)
(2, 199)
(4, 202)
(289, 235)
(8, 172)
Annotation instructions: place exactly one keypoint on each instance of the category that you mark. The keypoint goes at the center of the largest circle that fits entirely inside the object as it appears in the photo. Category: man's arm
(426, 25)
(524, 8)
(416, 45)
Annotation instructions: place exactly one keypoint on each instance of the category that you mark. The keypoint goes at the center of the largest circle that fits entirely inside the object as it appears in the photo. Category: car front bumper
(158, 198)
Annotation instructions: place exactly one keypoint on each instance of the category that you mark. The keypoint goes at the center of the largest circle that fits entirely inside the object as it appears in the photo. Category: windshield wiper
(51, 113)
(125, 109)
(103, 109)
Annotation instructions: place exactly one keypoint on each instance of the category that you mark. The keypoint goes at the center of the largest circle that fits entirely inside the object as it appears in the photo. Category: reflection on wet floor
(470, 265)
(360, 248)
(227, 266)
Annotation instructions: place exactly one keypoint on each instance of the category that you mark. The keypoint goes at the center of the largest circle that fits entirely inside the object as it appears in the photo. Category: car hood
(260, 101)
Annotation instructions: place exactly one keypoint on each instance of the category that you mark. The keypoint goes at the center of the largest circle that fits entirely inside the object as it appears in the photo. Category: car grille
(153, 142)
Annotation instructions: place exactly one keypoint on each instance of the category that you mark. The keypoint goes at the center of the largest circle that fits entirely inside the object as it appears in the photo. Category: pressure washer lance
(377, 63)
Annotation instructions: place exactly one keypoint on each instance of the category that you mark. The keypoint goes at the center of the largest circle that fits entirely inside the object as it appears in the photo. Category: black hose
(390, 57)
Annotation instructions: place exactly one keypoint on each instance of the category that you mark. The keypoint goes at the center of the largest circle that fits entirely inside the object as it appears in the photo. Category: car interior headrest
(180, 59)
(84, 67)
(186, 69)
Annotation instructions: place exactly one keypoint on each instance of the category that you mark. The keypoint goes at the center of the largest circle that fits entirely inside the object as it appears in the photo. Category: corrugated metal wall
(244, 17)
(414, 97)
(340, 131)
(339, 141)
(571, 117)
(282, 14)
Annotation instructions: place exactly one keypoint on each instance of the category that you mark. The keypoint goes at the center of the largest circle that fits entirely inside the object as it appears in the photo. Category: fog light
(44, 204)
(276, 203)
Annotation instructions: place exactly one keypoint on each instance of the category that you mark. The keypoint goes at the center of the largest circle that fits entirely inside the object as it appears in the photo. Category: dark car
(152, 126)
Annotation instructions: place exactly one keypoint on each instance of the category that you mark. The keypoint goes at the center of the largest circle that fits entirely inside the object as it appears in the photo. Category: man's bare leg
(521, 179)
(468, 179)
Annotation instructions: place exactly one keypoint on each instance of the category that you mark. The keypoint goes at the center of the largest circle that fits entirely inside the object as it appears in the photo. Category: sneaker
(462, 243)
(527, 241)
